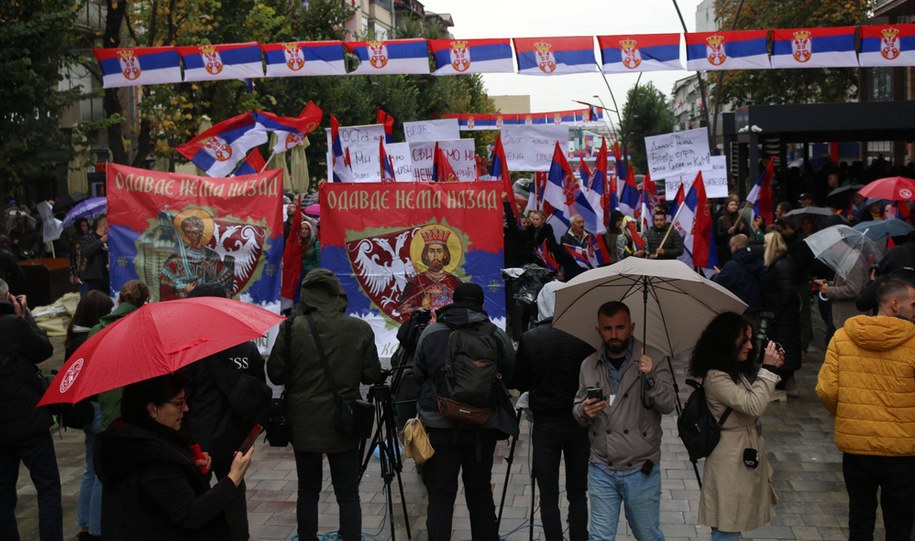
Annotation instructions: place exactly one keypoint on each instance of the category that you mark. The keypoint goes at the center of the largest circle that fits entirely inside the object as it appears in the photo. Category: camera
(594, 392)
(751, 458)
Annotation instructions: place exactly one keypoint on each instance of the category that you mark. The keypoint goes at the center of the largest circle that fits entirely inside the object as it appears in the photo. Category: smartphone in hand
(595, 392)
(249, 440)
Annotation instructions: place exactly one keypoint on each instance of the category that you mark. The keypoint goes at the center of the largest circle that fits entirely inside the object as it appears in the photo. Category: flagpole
(272, 154)
(674, 219)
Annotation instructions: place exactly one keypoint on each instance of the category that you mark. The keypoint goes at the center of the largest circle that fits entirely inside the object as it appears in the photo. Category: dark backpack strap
(724, 416)
(321, 355)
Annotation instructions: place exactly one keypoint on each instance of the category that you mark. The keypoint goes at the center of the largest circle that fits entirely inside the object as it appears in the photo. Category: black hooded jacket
(153, 489)
(22, 346)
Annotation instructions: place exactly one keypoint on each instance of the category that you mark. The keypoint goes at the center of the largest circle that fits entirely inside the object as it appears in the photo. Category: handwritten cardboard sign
(461, 154)
(714, 176)
(431, 130)
(530, 148)
(677, 153)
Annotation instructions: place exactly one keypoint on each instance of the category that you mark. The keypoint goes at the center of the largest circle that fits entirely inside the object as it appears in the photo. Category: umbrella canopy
(845, 190)
(156, 339)
(64, 203)
(88, 209)
(842, 247)
(12, 217)
(880, 229)
(823, 217)
(312, 210)
(892, 188)
(680, 302)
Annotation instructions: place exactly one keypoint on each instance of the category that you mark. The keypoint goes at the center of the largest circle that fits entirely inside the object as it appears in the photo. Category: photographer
(737, 493)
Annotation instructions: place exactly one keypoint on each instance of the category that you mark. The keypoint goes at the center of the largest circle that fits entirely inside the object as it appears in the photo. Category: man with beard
(624, 466)
(195, 263)
(434, 287)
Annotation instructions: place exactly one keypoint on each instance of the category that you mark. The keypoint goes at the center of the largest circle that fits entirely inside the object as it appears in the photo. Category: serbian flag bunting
(761, 194)
(887, 45)
(460, 56)
(737, 50)
(254, 163)
(341, 168)
(555, 56)
(640, 52)
(219, 149)
(441, 167)
(392, 56)
(814, 47)
(387, 167)
(138, 66)
(498, 170)
(303, 58)
(217, 62)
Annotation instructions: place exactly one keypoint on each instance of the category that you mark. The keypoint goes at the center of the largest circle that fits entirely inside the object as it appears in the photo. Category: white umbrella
(841, 247)
(670, 304)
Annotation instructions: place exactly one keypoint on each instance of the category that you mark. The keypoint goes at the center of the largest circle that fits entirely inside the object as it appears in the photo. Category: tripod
(385, 440)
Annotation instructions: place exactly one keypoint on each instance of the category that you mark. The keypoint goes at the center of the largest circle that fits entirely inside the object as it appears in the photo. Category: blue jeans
(640, 494)
(344, 475)
(89, 506)
(37, 453)
(718, 535)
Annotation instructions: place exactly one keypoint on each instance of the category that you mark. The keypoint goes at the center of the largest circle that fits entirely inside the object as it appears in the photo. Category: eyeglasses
(178, 403)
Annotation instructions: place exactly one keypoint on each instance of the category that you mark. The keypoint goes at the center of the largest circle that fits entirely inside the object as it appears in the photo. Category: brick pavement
(808, 479)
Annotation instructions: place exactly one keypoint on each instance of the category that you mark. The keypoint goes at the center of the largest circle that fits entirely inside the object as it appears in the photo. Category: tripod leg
(508, 469)
(533, 504)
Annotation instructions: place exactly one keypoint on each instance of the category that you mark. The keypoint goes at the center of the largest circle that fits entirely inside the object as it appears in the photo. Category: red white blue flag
(740, 49)
(387, 121)
(498, 170)
(301, 58)
(216, 62)
(554, 56)
(290, 132)
(629, 197)
(640, 52)
(219, 149)
(887, 45)
(460, 56)
(387, 166)
(391, 56)
(442, 171)
(138, 66)
(340, 166)
(698, 240)
(761, 194)
(814, 47)
(254, 163)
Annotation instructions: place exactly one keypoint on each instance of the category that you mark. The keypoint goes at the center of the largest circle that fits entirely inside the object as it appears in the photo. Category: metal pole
(702, 92)
(713, 129)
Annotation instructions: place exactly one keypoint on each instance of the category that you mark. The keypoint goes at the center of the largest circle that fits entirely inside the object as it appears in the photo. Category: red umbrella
(892, 188)
(156, 339)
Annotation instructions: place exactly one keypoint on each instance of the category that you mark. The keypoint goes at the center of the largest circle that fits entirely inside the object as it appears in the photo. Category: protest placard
(460, 153)
(677, 153)
(530, 148)
(714, 176)
(431, 130)
(402, 161)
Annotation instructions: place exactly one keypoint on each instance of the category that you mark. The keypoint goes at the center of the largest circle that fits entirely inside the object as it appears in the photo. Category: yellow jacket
(868, 382)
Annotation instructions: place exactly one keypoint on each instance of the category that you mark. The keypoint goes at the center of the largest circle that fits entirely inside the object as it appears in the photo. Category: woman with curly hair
(737, 493)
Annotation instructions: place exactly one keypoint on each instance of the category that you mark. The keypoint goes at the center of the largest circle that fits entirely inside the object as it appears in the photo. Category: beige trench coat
(736, 498)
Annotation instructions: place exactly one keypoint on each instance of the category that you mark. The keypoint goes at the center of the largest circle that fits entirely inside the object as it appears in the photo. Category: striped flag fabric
(463, 56)
(394, 56)
(138, 66)
(814, 47)
(220, 62)
(304, 58)
(555, 55)
(739, 49)
(639, 52)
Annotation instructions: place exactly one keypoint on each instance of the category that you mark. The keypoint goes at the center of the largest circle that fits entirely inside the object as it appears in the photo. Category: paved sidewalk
(808, 479)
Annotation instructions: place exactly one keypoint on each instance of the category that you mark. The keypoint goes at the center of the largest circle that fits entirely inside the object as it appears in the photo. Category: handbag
(416, 441)
(277, 426)
(353, 417)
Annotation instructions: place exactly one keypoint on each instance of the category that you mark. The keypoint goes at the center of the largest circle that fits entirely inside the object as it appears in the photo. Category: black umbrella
(823, 217)
(66, 202)
(844, 190)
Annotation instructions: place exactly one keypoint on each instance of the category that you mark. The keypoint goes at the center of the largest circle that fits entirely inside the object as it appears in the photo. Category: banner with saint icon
(400, 247)
(175, 231)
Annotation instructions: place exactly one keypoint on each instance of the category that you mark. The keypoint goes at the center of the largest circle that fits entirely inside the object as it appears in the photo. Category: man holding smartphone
(624, 426)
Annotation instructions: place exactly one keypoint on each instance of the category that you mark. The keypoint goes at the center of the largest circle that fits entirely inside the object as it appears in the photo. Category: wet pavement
(808, 479)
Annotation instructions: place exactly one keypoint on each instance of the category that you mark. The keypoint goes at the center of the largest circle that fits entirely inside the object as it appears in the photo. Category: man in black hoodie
(548, 363)
(743, 274)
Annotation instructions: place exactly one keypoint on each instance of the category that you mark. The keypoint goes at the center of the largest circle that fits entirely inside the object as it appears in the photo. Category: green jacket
(349, 344)
(110, 401)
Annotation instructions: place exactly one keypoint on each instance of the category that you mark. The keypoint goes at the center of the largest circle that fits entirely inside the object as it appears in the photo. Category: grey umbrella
(841, 247)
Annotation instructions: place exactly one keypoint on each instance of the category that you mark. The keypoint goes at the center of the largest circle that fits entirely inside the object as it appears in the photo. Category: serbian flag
(289, 131)
(254, 163)
(301, 58)
(543, 254)
(219, 149)
(637, 239)
(597, 251)
(554, 56)
(564, 194)
(737, 50)
(699, 242)
(138, 66)
(595, 196)
(391, 56)
(387, 167)
(603, 186)
(761, 194)
(471, 121)
(649, 199)
(887, 45)
(639, 52)
(825, 47)
(292, 256)
(441, 167)
(498, 170)
(341, 168)
(674, 204)
(387, 121)
(629, 197)
(460, 56)
(217, 62)
(580, 256)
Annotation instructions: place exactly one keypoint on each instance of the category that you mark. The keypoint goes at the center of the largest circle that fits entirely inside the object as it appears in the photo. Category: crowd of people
(597, 409)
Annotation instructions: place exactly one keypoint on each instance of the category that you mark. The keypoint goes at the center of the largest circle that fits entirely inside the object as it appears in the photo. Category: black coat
(781, 298)
(743, 276)
(153, 489)
(96, 253)
(547, 365)
(22, 346)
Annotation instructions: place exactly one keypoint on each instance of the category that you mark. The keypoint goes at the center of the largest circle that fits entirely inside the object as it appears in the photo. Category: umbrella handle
(647, 399)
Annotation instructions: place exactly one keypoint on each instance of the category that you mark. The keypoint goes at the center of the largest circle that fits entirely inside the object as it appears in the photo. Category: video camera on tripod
(761, 340)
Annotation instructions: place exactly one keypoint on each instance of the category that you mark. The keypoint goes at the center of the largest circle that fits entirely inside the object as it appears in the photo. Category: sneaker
(778, 396)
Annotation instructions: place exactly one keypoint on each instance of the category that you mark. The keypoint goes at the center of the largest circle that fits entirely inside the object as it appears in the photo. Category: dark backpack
(466, 379)
(697, 427)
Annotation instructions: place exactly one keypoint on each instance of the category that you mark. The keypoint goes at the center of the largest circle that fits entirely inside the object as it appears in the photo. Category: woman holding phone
(154, 485)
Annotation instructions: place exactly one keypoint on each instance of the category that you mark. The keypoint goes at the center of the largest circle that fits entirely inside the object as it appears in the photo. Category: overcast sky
(542, 18)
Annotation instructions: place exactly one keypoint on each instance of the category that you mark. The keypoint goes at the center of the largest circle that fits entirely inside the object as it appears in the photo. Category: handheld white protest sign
(714, 176)
(431, 130)
(460, 154)
(353, 136)
(530, 148)
(402, 161)
(678, 153)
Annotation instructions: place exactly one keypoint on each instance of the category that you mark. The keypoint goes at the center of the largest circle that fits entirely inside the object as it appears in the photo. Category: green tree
(790, 86)
(31, 103)
(646, 113)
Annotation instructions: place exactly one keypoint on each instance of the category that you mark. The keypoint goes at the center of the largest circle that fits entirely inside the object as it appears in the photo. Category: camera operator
(404, 386)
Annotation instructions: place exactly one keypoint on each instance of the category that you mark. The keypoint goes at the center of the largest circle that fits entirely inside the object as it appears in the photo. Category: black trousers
(554, 440)
(468, 451)
(344, 476)
(894, 477)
